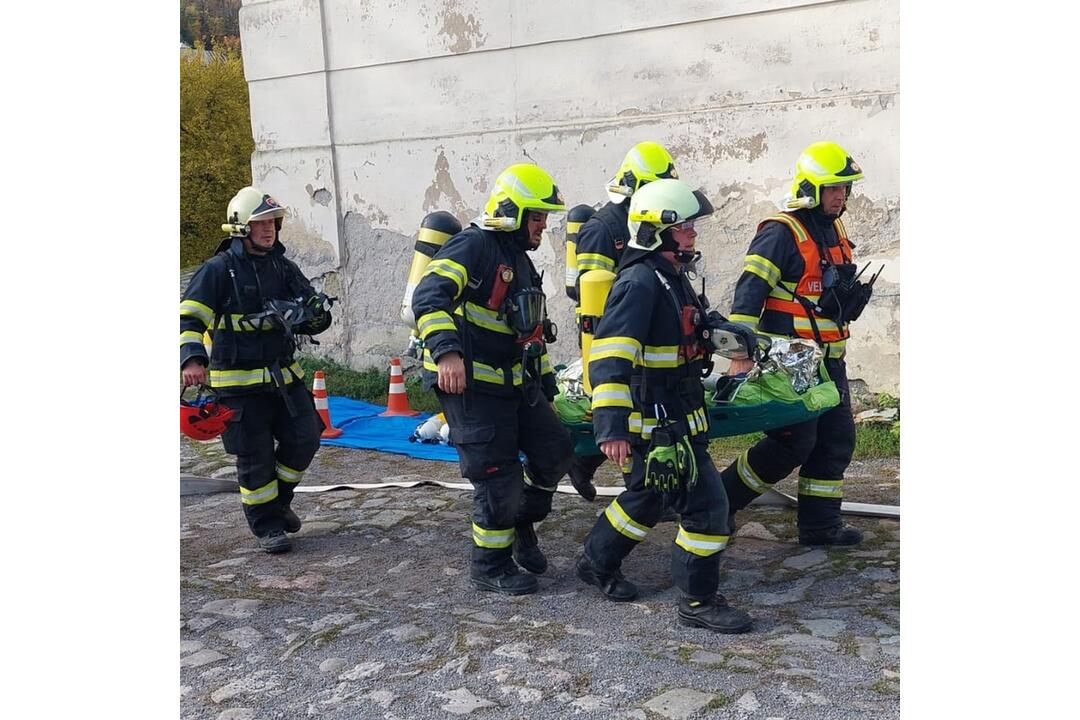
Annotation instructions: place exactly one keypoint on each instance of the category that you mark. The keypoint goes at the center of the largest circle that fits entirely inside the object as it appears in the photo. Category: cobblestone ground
(372, 616)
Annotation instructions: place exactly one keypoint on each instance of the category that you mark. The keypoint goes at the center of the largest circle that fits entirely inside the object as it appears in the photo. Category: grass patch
(876, 441)
(327, 636)
(884, 687)
(871, 441)
(721, 700)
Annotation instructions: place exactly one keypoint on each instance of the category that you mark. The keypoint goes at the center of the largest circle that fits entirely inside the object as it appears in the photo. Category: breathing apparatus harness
(670, 465)
(843, 296)
(526, 312)
(291, 317)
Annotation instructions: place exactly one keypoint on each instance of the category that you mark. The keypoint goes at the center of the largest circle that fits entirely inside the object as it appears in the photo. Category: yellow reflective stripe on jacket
(489, 374)
(691, 422)
(256, 376)
(259, 496)
(700, 543)
(429, 364)
(239, 324)
(661, 356)
(748, 476)
(447, 268)
(763, 267)
(486, 373)
(191, 336)
(433, 322)
(492, 538)
(641, 426)
(594, 261)
(195, 309)
(611, 395)
(749, 320)
(623, 523)
(801, 235)
(821, 488)
(484, 318)
(287, 474)
(697, 421)
(836, 349)
(785, 290)
(841, 231)
(624, 348)
(545, 364)
(802, 324)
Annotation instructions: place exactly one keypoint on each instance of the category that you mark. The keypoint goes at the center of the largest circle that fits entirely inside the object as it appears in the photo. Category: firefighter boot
(509, 581)
(581, 479)
(527, 552)
(713, 614)
(275, 542)
(614, 586)
(292, 520)
(842, 534)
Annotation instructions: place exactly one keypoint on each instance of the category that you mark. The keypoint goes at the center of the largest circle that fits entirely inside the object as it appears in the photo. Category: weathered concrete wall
(367, 114)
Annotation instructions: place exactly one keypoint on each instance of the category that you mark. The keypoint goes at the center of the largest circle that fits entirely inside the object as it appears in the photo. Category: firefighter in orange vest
(799, 280)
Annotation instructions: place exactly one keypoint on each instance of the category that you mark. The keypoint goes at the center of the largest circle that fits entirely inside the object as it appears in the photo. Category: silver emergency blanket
(795, 357)
(570, 382)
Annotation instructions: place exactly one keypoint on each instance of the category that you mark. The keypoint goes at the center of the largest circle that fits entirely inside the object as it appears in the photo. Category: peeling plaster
(308, 249)
(321, 196)
(464, 32)
(748, 148)
(442, 185)
(699, 69)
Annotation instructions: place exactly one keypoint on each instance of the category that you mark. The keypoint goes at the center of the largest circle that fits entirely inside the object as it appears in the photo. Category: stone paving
(372, 616)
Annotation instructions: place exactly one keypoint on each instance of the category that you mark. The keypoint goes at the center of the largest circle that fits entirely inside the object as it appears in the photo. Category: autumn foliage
(215, 147)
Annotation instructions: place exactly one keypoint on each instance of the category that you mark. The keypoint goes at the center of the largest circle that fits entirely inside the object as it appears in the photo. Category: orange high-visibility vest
(809, 285)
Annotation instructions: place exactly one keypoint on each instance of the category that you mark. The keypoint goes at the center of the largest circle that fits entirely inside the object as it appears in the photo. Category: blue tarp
(362, 428)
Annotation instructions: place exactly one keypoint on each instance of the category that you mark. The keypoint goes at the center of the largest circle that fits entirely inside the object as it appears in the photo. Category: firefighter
(646, 364)
(600, 244)
(481, 315)
(256, 302)
(798, 280)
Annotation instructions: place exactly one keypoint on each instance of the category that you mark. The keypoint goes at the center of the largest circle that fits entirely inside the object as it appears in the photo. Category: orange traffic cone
(397, 402)
(323, 405)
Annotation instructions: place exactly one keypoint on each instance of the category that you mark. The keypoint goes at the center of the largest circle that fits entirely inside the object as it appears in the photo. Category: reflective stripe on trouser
(821, 448)
(489, 432)
(698, 539)
(268, 474)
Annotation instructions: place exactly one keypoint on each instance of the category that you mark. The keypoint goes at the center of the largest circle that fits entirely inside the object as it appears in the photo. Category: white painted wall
(367, 114)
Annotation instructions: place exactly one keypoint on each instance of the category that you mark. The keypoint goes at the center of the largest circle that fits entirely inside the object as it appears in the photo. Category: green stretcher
(755, 405)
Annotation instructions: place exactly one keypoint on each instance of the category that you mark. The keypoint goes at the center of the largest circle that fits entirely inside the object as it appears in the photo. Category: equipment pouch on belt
(670, 465)
(844, 296)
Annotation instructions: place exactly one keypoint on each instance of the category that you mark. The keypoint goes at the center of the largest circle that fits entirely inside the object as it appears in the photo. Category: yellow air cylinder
(574, 220)
(595, 286)
(435, 229)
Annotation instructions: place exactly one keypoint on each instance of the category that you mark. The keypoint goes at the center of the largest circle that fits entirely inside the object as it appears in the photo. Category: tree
(215, 149)
(205, 24)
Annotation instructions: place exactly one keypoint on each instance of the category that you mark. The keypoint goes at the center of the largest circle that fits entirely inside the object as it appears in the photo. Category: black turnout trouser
(490, 432)
(267, 475)
(821, 448)
(703, 524)
(589, 464)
